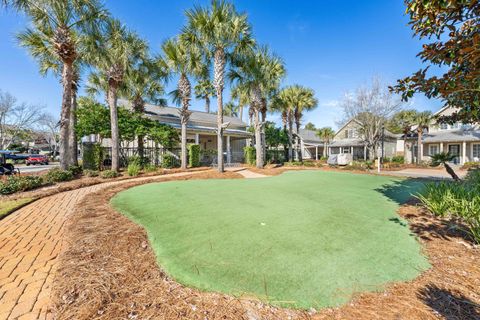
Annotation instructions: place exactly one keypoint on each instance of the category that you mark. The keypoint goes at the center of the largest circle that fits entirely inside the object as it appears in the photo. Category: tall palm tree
(422, 120)
(242, 99)
(183, 60)
(204, 89)
(281, 103)
(144, 83)
(113, 53)
(259, 74)
(221, 32)
(59, 28)
(326, 134)
(230, 109)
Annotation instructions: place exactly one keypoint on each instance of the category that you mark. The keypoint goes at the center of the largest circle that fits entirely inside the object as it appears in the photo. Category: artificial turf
(302, 239)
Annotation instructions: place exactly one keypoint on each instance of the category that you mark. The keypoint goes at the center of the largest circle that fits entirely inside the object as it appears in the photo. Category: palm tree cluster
(214, 48)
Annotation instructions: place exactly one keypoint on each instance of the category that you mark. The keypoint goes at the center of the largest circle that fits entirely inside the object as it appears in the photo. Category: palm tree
(144, 83)
(422, 120)
(204, 89)
(59, 28)
(326, 134)
(183, 60)
(444, 158)
(114, 53)
(221, 32)
(242, 98)
(230, 109)
(403, 121)
(281, 103)
(258, 74)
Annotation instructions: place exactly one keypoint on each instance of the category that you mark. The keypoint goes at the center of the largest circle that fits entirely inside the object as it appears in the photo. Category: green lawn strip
(301, 239)
(8, 206)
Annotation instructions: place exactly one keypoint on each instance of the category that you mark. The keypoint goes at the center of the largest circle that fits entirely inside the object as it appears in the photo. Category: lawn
(302, 239)
(8, 206)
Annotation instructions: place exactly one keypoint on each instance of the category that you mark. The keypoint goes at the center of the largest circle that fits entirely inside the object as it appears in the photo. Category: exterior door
(454, 150)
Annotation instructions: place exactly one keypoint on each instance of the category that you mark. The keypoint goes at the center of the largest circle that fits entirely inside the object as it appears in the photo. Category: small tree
(444, 158)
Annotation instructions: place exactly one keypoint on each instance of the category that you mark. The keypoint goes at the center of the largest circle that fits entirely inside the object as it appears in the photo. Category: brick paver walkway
(30, 241)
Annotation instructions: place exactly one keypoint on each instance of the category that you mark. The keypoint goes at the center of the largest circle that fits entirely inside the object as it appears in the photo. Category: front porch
(464, 151)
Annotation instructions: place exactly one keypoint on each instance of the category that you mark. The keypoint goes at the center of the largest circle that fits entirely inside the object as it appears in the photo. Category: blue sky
(331, 46)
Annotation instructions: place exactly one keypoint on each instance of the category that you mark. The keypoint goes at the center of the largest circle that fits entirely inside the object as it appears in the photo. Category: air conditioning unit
(344, 159)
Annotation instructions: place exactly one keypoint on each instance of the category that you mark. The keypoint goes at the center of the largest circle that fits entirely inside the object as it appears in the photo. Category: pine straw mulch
(109, 271)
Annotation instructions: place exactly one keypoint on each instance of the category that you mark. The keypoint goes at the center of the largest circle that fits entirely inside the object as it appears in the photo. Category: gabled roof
(452, 136)
(387, 132)
(309, 136)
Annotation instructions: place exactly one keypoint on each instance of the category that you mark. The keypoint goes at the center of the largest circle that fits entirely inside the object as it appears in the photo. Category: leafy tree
(274, 136)
(310, 126)
(444, 158)
(454, 27)
(422, 121)
(59, 28)
(183, 60)
(92, 118)
(326, 134)
(204, 89)
(402, 122)
(113, 53)
(222, 33)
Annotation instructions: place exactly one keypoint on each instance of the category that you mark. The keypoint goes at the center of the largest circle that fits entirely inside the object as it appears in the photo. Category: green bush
(471, 165)
(169, 161)
(75, 170)
(133, 169)
(20, 183)
(250, 155)
(57, 175)
(460, 200)
(92, 156)
(150, 168)
(194, 155)
(398, 159)
(109, 174)
(359, 165)
(90, 173)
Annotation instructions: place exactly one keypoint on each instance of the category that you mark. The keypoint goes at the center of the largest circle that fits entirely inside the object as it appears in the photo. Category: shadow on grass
(449, 305)
(401, 191)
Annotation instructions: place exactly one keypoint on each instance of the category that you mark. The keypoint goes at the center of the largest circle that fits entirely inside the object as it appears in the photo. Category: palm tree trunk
(451, 172)
(115, 137)
(325, 146)
(240, 112)
(219, 75)
(262, 131)
(72, 137)
(258, 141)
(298, 152)
(184, 141)
(67, 76)
(290, 137)
(419, 143)
(207, 104)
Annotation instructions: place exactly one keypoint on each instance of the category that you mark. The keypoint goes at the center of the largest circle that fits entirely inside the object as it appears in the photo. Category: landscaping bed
(109, 271)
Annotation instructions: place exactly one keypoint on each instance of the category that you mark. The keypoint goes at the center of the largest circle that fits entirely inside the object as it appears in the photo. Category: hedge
(194, 155)
(250, 155)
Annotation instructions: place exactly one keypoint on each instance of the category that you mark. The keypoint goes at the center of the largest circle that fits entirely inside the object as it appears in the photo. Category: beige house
(201, 130)
(311, 145)
(348, 140)
(461, 140)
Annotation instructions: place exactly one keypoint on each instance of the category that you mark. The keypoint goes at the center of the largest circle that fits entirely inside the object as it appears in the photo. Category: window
(443, 126)
(432, 149)
(346, 150)
(456, 125)
(476, 151)
(349, 133)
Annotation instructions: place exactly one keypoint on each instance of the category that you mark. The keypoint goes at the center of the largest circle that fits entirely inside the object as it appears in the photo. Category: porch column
(351, 151)
(464, 153)
(229, 152)
(302, 148)
(365, 153)
(316, 152)
(420, 148)
(471, 151)
(441, 146)
(197, 138)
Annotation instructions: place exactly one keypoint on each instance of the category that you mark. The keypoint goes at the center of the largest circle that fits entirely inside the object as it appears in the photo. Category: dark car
(37, 159)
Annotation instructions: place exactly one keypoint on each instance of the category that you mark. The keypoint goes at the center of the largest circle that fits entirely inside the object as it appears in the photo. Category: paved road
(36, 168)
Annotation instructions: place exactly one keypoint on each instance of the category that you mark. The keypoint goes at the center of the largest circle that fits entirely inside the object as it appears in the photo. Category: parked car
(37, 159)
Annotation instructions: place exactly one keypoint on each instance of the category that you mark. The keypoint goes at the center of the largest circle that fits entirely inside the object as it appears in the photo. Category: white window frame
(430, 153)
(473, 150)
(443, 126)
(345, 148)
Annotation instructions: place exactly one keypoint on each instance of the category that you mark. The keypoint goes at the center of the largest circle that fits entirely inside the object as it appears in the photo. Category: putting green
(302, 239)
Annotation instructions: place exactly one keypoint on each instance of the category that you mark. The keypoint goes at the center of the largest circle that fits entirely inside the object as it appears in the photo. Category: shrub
(150, 168)
(250, 155)
(169, 161)
(58, 175)
(20, 183)
(109, 174)
(90, 173)
(471, 165)
(194, 155)
(92, 156)
(398, 159)
(75, 170)
(133, 169)
(359, 165)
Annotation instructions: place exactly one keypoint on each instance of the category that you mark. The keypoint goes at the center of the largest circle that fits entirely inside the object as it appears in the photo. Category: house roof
(347, 143)
(309, 136)
(196, 116)
(452, 136)
(387, 132)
